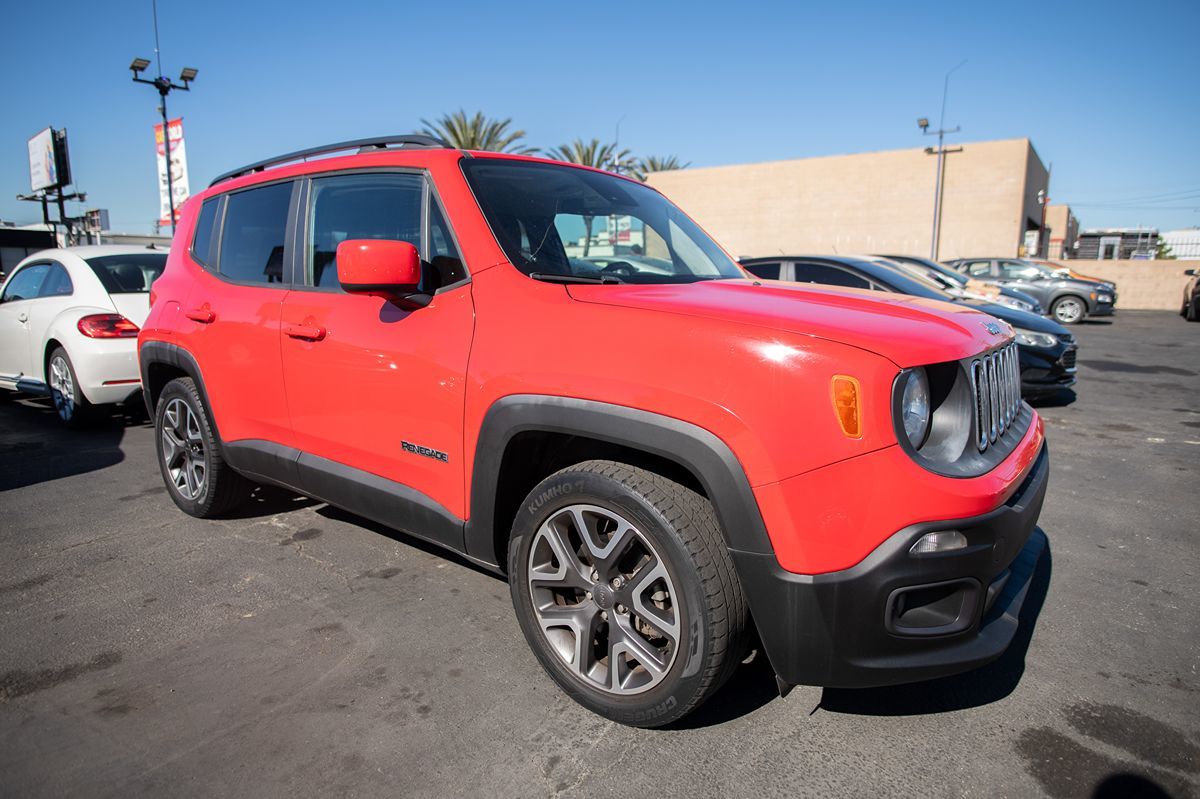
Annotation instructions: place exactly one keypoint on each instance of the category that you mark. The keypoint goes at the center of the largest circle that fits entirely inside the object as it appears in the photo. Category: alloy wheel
(62, 388)
(1068, 311)
(183, 449)
(604, 599)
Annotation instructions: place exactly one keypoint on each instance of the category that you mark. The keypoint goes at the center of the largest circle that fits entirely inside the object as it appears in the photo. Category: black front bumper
(1045, 370)
(897, 617)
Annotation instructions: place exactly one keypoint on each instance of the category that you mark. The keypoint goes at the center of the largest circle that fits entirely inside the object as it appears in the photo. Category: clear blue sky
(1107, 92)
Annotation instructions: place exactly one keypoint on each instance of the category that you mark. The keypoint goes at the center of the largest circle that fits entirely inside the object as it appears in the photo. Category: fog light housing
(939, 541)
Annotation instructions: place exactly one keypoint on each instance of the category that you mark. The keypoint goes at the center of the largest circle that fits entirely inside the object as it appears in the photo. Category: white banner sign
(179, 176)
(43, 168)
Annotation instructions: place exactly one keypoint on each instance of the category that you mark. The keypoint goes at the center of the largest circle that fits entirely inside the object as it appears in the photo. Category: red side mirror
(379, 267)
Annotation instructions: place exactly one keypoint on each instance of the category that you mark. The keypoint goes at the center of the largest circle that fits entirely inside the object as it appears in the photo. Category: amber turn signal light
(847, 404)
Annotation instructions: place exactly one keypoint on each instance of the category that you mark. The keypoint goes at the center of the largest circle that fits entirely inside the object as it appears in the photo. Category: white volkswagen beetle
(69, 320)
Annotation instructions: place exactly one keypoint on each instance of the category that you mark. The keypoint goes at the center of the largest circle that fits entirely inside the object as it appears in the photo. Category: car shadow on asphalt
(401, 537)
(35, 446)
(981, 686)
(1059, 399)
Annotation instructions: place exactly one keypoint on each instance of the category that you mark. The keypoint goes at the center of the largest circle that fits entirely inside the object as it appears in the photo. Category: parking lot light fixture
(165, 86)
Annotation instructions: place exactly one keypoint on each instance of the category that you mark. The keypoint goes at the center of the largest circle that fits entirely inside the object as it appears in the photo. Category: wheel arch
(160, 363)
(511, 457)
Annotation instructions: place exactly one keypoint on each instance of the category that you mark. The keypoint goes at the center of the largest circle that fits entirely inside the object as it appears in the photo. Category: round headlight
(914, 407)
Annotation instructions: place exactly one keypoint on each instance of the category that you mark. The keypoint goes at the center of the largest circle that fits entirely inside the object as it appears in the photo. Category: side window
(979, 268)
(1016, 270)
(206, 227)
(57, 282)
(445, 263)
(253, 234)
(765, 271)
(25, 284)
(827, 275)
(372, 206)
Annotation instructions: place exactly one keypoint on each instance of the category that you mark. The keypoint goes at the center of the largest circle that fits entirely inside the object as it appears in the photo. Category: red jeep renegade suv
(554, 372)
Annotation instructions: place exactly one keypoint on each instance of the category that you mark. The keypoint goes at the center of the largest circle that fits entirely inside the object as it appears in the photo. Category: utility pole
(164, 86)
(939, 173)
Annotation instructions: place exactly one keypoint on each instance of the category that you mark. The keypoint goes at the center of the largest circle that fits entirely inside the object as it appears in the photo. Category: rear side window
(829, 276)
(205, 238)
(57, 283)
(765, 271)
(128, 274)
(979, 268)
(252, 237)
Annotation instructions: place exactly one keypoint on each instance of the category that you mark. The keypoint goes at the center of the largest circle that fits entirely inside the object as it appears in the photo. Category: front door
(371, 385)
(20, 293)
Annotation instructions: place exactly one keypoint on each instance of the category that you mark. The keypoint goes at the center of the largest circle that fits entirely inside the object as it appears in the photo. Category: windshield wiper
(547, 277)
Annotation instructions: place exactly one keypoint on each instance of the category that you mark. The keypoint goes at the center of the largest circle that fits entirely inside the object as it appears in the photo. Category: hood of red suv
(908, 331)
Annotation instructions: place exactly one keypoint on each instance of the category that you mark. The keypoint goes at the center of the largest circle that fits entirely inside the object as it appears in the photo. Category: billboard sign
(46, 160)
(179, 176)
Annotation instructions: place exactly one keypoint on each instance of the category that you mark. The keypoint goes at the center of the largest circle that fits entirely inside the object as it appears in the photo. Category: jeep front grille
(996, 379)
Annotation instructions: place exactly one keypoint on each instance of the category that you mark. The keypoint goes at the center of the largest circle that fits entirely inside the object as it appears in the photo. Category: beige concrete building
(1063, 229)
(869, 203)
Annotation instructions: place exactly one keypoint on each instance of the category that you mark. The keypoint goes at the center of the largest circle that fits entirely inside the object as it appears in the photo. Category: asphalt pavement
(297, 650)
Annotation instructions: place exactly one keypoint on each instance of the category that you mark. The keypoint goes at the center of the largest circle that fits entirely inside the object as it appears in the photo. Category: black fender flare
(699, 451)
(162, 352)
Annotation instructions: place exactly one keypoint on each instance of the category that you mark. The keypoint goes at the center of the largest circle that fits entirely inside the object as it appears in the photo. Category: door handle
(202, 315)
(306, 332)
(22, 317)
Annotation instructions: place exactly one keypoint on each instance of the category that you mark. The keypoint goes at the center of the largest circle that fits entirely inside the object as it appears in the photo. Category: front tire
(625, 591)
(1069, 310)
(72, 407)
(1192, 314)
(189, 454)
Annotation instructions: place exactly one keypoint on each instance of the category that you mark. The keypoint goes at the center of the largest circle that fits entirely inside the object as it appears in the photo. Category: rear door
(230, 319)
(371, 385)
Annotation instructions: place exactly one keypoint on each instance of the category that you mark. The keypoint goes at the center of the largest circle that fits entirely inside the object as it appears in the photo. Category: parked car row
(1047, 349)
(667, 459)
(1068, 299)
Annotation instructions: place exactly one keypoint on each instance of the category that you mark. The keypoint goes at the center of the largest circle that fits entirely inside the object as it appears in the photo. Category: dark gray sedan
(1069, 300)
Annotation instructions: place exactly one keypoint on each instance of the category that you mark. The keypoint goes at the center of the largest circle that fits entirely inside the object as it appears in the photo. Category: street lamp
(939, 175)
(164, 86)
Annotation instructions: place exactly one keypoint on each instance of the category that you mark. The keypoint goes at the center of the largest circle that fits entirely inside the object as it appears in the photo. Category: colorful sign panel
(179, 176)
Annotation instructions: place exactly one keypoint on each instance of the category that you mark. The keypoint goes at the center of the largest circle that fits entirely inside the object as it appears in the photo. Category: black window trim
(21, 268)
(214, 269)
(299, 237)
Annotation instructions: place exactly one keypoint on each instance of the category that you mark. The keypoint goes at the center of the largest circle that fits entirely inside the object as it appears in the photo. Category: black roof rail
(362, 145)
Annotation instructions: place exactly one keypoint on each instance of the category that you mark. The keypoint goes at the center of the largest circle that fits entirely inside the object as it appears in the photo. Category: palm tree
(593, 154)
(477, 133)
(656, 163)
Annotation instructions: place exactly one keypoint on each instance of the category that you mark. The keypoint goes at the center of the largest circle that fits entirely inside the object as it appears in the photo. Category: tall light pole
(939, 173)
(164, 86)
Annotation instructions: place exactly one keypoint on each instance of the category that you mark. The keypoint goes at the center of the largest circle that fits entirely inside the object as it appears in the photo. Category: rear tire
(189, 454)
(645, 622)
(70, 404)
(1192, 314)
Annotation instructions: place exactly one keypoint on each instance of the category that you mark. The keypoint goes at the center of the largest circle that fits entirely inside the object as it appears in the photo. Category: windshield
(941, 269)
(128, 274)
(905, 279)
(556, 220)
